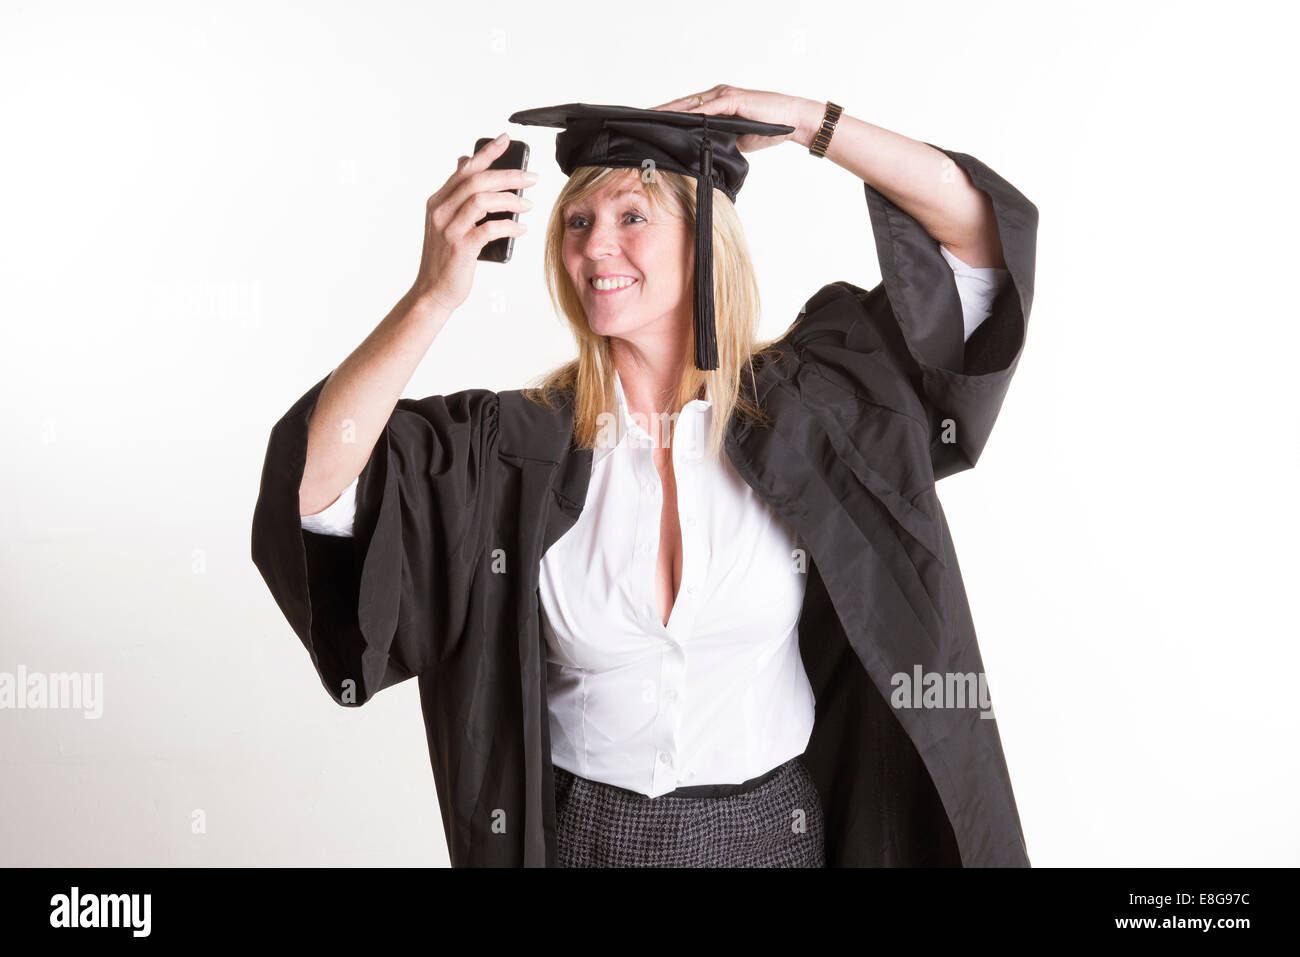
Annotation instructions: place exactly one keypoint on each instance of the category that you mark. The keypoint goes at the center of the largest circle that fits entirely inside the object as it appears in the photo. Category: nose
(601, 241)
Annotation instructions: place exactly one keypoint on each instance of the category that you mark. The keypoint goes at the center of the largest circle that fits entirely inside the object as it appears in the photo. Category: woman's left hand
(757, 105)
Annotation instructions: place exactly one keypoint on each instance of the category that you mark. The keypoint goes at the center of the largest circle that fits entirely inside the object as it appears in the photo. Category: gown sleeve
(912, 326)
(392, 599)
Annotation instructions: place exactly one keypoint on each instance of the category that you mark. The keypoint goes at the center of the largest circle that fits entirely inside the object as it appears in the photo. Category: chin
(612, 326)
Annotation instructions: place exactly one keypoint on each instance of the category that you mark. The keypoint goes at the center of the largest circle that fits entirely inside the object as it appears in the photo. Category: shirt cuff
(977, 286)
(335, 519)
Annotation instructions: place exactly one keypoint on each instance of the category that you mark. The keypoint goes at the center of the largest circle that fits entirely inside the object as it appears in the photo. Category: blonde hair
(590, 377)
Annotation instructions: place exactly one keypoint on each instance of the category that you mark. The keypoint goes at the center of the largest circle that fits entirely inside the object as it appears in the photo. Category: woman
(654, 763)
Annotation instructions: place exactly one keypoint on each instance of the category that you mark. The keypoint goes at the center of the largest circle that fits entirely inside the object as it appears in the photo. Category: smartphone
(515, 157)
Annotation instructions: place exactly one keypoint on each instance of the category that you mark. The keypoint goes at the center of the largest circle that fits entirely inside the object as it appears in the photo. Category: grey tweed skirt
(774, 820)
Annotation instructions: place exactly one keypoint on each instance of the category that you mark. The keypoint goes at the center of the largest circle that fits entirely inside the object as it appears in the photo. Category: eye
(577, 221)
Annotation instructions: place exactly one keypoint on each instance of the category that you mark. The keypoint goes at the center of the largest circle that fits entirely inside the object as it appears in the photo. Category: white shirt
(718, 695)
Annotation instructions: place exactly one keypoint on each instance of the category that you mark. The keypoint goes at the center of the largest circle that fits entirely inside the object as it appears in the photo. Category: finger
(500, 227)
(450, 182)
(479, 205)
(691, 103)
(722, 104)
(487, 154)
(683, 103)
(480, 236)
(465, 165)
(466, 181)
(490, 180)
(444, 205)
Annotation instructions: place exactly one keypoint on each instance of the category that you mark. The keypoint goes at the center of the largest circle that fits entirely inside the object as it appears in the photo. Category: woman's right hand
(451, 240)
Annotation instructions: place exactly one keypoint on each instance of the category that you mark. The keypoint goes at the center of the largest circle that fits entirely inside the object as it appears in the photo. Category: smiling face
(641, 257)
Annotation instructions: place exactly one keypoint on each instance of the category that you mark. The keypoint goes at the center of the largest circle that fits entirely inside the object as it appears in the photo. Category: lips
(630, 282)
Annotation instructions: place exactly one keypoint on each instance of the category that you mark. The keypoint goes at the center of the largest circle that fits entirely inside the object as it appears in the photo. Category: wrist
(423, 308)
(809, 121)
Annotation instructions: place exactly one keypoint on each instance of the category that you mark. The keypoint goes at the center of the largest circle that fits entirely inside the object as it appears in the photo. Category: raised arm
(390, 600)
(915, 177)
(359, 396)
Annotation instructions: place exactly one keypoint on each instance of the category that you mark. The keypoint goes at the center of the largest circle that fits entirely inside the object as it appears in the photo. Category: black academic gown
(874, 396)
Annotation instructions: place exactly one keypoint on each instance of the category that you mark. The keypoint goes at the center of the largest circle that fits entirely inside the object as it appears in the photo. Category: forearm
(915, 177)
(359, 397)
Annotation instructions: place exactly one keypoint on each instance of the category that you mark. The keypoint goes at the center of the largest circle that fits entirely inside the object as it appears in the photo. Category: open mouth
(607, 287)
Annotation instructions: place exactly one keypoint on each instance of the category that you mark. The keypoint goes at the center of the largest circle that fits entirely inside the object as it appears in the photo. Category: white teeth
(611, 283)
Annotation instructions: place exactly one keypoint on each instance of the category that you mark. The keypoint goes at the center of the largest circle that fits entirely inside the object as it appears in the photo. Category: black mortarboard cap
(689, 143)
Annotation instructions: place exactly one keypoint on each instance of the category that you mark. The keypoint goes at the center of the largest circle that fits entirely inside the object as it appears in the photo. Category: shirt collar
(692, 424)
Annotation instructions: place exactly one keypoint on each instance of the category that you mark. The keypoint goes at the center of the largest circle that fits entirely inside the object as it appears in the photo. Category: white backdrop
(205, 207)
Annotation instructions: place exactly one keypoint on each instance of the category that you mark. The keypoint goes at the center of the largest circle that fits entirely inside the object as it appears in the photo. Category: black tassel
(706, 343)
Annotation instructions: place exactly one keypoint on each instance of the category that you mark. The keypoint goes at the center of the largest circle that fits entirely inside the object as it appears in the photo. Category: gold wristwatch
(823, 137)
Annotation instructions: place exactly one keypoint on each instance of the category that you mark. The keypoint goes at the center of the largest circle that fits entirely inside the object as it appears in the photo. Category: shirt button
(664, 758)
(670, 695)
(691, 589)
(646, 548)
